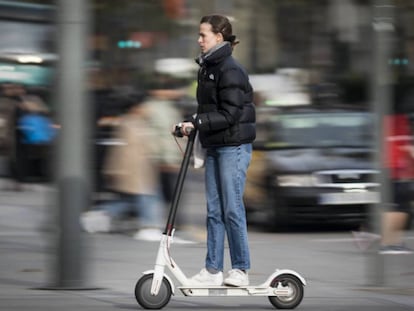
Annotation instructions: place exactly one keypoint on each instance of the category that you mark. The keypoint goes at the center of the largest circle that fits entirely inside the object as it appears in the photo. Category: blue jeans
(225, 176)
(147, 208)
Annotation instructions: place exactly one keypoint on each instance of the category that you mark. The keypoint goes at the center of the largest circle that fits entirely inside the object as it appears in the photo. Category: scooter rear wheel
(143, 293)
(295, 285)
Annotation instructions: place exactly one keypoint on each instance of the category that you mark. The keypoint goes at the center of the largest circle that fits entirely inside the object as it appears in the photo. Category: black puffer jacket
(226, 113)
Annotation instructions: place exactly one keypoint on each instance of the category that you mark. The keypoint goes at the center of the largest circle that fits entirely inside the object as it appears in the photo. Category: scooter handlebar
(177, 130)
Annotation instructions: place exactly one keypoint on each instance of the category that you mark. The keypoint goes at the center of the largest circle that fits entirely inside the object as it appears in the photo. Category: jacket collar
(215, 55)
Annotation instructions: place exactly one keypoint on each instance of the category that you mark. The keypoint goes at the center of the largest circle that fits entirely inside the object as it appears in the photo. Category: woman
(225, 122)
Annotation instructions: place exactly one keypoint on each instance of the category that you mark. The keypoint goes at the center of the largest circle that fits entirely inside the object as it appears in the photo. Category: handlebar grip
(177, 130)
(188, 130)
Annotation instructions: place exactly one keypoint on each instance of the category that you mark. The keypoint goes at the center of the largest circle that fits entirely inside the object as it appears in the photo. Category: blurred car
(311, 166)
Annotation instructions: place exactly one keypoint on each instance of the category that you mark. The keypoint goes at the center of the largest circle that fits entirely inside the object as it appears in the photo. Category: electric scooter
(284, 288)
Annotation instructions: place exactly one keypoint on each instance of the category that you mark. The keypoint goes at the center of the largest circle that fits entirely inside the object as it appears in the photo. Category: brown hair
(221, 24)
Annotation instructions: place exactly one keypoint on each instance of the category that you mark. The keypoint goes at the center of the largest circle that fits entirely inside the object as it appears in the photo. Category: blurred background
(324, 73)
(317, 54)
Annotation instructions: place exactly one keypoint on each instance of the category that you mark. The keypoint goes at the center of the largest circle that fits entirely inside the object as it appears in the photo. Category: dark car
(311, 165)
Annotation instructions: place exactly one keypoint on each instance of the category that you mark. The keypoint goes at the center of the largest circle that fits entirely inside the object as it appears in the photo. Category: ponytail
(233, 40)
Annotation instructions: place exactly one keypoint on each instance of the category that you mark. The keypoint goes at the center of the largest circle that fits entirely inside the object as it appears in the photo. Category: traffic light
(129, 44)
(398, 61)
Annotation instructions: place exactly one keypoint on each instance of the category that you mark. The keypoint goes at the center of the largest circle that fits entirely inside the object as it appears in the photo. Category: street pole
(72, 169)
(381, 99)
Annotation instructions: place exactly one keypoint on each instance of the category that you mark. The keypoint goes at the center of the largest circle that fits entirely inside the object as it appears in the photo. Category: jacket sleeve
(230, 96)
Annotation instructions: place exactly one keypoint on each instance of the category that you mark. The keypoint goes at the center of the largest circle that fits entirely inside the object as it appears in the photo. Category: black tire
(143, 293)
(289, 302)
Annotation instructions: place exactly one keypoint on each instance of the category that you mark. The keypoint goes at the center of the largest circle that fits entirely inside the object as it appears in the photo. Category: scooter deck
(235, 291)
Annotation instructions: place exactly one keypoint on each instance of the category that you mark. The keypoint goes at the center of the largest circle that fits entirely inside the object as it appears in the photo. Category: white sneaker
(206, 278)
(96, 221)
(149, 234)
(237, 278)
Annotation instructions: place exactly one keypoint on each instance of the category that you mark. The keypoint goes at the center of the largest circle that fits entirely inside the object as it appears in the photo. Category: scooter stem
(179, 185)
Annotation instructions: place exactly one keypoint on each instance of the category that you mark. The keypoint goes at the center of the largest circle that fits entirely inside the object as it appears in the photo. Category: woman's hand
(187, 128)
(182, 129)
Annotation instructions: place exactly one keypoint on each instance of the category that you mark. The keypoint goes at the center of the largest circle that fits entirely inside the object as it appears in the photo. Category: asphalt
(336, 270)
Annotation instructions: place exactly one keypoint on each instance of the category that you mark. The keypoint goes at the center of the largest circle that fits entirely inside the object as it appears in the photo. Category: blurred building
(331, 39)
(27, 43)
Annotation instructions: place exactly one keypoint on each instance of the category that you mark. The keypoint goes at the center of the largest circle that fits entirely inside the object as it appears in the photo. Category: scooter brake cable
(178, 144)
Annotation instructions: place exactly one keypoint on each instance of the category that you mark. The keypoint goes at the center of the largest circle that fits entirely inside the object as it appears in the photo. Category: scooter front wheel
(294, 285)
(143, 293)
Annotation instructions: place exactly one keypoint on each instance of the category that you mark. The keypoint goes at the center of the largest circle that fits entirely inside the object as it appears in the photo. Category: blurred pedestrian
(160, 108)
(36, 133)
(400, 162)
(225, 122)
(10, 107)
(8, 104)
(131, 172)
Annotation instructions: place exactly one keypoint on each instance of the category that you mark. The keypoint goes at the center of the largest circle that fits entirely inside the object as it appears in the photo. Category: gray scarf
(200, 58)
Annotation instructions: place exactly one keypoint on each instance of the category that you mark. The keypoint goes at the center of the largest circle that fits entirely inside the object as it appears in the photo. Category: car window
(314, 130)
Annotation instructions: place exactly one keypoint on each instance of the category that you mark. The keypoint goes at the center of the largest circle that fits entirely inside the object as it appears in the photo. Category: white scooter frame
(283, 287)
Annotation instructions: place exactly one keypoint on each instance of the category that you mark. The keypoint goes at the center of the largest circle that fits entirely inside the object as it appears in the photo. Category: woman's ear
(219, 37)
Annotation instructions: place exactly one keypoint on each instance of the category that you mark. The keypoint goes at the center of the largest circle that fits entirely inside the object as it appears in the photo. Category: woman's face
(207, 38)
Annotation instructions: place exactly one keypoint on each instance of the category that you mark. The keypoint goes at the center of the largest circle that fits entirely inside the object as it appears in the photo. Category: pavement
(337, 271)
